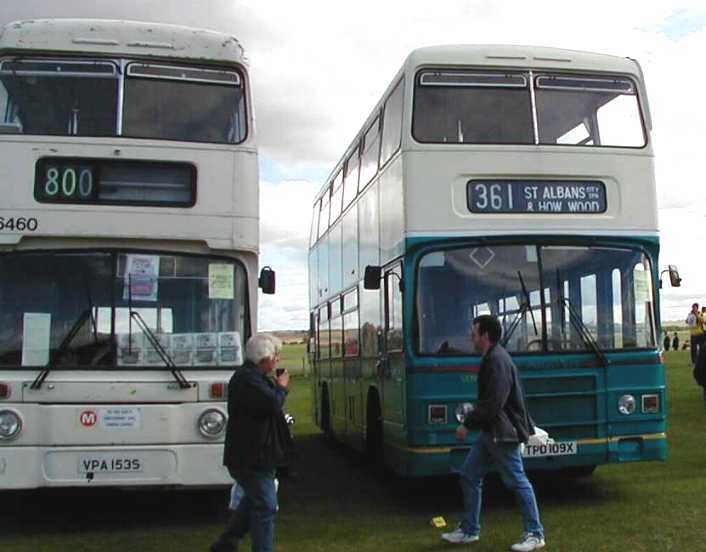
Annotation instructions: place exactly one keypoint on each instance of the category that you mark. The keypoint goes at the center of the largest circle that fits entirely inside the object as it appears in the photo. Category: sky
(318, 68)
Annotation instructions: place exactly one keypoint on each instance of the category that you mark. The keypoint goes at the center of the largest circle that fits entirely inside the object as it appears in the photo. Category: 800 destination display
(114, 182)
(536, 196)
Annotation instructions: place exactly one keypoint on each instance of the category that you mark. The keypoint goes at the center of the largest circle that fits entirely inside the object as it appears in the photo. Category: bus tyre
(373, 434)
(579, 472)
(325, 414)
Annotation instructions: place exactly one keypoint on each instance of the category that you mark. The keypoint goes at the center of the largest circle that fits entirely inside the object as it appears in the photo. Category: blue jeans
(255, 511)
(506, 459)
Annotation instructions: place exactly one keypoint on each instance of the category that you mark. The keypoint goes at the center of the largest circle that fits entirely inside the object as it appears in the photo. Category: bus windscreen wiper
(524, 307)
(63, 347)
(163, 354)
(161, 351)
(583, 330)
(66, 342)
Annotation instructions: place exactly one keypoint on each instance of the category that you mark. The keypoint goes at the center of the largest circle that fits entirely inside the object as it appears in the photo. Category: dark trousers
(255, 513)
(695, 342)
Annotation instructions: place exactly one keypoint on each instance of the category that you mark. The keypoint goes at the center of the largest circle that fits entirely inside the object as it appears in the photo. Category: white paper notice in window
(36, 332)
(220, 281)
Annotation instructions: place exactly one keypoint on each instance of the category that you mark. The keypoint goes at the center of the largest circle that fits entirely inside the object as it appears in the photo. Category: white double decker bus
(128, 250)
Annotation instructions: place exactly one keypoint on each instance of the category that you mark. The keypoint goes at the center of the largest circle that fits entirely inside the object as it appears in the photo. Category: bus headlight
(463, 410)
(10, 425)
(626, 404)
(211, 423)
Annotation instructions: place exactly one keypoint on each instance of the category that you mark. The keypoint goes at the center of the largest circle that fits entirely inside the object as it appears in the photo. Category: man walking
(257, 440)
(504, 423)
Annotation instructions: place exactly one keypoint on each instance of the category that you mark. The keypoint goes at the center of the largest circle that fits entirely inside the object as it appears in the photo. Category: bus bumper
(429, 461)
(157, 466)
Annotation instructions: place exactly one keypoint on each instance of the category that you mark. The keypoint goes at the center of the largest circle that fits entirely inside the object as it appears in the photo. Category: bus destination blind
(114, 182)
(536, 196)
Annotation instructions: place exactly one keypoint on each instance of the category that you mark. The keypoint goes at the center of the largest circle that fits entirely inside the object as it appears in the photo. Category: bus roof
(540, 57)
(119, 37)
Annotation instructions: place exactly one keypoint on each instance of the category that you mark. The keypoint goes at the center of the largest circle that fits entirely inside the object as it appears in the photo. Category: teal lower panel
(429, 461)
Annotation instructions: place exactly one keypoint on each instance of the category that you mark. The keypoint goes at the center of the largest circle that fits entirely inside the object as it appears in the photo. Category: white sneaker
(459, 536)
(528, 542)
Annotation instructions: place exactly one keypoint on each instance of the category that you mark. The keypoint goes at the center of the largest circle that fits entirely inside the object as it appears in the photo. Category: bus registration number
(108, 464)
(563, 448)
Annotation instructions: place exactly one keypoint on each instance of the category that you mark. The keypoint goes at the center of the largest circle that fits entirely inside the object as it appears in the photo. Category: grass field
(294, 358)
(333, 503)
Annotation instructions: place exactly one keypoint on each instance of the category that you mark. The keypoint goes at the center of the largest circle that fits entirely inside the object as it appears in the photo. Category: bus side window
(323, 334)
(393, 310)
(392, 124)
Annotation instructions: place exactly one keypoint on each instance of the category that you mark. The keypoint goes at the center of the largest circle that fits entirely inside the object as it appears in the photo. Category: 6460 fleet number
(18, 224)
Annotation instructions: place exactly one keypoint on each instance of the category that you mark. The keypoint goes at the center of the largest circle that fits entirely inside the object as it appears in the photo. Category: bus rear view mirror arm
(267, 280)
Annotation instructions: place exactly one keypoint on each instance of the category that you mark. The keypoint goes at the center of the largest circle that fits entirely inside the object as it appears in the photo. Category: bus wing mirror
(267, 280)
(674, 278)
(373, 275)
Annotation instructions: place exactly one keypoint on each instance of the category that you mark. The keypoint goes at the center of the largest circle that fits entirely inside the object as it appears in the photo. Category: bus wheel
(373, 433)
(578, 472)
(325, 413)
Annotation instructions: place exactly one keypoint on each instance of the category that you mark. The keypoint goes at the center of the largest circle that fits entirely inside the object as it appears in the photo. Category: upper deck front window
(462, 107)
(474, 107)
(181, 103)
(58, 97)
(88, 97)
(588, 111)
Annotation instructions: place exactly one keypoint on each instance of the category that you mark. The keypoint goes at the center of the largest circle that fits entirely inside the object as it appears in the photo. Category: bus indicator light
(438, 414)
(5, 390)
(218, 390)
(650, 404)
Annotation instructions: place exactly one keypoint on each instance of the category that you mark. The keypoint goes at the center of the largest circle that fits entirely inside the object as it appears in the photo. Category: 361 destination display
(536, 196)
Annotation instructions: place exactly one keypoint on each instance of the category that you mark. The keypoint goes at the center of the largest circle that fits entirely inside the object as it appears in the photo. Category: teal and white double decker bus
(516, 181)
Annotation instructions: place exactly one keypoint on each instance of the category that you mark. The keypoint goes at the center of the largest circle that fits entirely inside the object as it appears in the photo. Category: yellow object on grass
(438, 522)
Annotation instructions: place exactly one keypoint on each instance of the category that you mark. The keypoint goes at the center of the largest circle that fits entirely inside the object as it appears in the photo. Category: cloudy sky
(318, 67)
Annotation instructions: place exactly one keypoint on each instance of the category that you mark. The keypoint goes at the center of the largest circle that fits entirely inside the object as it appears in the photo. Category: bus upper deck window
(184, 103)
(58, 97)
(588, 110)
(467, 107)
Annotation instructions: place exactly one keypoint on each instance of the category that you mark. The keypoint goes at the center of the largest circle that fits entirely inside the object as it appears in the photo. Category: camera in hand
(279, 371)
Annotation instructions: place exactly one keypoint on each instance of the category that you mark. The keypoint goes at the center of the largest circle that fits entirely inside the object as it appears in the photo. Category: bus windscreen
(536, 290)
(77, 309)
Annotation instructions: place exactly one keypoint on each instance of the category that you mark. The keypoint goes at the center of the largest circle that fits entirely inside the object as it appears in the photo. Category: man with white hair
(257, 440)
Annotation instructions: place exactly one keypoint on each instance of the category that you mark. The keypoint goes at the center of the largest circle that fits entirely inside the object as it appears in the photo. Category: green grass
(333, 503)
(294, 358)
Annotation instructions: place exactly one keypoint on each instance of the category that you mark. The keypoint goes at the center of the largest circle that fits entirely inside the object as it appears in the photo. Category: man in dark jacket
(257, 440)
(502, 418)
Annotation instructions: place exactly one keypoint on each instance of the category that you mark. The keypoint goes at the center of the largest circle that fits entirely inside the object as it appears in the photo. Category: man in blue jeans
(257, 440)
(501, 415)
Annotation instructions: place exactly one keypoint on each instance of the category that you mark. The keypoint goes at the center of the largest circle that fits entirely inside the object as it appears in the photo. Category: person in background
(257, 440)
(667, 342)
(501, 415)
(700, 371)
(675, 342)
(695, 322)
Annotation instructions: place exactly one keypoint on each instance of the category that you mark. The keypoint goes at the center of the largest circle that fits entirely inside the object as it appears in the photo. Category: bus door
(392, 361)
